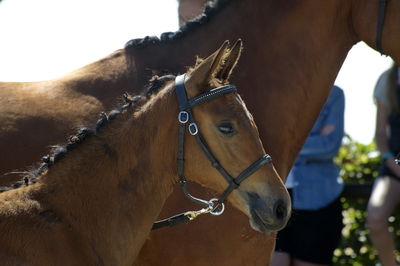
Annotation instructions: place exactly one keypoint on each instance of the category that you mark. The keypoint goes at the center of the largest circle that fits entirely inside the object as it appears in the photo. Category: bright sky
(45, 39)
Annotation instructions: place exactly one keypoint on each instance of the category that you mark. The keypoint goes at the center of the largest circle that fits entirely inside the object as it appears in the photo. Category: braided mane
(212, 8)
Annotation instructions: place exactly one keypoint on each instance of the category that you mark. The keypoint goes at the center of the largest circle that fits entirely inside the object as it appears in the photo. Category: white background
(44, 39)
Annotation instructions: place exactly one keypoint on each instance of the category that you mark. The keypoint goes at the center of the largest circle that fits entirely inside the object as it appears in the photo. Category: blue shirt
(314, 178)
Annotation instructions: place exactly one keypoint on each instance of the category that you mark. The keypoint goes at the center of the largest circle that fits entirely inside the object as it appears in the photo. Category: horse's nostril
(280, 210)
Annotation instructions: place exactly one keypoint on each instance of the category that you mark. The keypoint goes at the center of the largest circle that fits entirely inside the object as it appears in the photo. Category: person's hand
(326, 130)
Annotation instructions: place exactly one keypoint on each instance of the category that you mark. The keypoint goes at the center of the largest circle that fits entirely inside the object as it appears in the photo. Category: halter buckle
(183, 117)
(193, 129)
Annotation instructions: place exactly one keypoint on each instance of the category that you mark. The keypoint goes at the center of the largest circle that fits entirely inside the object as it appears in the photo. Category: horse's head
(229, 131)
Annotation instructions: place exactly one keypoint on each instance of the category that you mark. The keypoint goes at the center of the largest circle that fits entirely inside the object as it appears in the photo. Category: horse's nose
(280, 210)
(268, 214)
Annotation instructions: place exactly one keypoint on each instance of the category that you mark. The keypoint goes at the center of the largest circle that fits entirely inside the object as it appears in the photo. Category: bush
(359, 164)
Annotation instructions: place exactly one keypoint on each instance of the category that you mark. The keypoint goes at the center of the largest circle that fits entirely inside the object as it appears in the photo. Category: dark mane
(212, 8)
(58, 152)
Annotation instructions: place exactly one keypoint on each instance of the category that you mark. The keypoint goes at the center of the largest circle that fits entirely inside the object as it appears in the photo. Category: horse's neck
(111, 188)
(293, 52)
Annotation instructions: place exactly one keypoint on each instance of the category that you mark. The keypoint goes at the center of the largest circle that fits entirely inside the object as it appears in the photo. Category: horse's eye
(226, 128)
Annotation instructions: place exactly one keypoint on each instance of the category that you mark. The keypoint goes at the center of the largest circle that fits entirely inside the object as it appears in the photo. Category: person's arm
(381, 137)
(327, 142)
(381, 127)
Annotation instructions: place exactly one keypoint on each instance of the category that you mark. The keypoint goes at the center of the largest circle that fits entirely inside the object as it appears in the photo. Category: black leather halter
(214, 206)
(379, 25)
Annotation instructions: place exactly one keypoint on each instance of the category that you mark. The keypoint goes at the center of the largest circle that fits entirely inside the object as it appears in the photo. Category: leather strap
(379, 25)
(171, 221)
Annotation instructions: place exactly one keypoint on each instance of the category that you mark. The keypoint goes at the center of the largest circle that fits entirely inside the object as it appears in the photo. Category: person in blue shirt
(314, 230)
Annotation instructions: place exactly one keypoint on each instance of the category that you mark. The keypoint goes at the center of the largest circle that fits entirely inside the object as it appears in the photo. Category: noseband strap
(186, 120)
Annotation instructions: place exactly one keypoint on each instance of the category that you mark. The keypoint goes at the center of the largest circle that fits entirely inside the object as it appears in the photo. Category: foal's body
(294, 48)
(92, 208)
(96, 203)
(87, 209)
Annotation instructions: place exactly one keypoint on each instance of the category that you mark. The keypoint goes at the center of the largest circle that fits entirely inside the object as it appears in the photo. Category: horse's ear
(199, 79)
(230, 62)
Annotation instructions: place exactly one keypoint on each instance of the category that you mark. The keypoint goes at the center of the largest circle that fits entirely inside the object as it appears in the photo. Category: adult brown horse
(294, 50)
(75, 214)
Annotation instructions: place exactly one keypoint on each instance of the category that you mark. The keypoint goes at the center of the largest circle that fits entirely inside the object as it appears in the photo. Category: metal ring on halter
(218, 209)
(193, 129)
(183, 117)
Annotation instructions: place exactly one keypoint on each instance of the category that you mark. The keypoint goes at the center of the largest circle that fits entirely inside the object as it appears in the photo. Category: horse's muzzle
(268, 215)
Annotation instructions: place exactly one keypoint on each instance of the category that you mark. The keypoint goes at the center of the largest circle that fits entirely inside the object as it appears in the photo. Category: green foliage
(359, 164)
